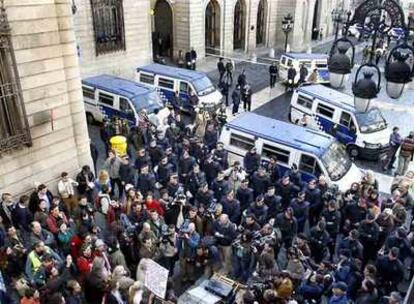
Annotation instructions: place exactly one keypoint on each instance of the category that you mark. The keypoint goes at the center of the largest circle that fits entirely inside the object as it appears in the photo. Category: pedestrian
(229, 71)
(188, 60)
(394, 144)
(224, 86)
(291, 75)
(67, 191)
(193, 58)
(247, 98)
(406, 154)
(273, 71)
(221, 69)
(242, 80)
(235, 97)
(321, 34)
(303, 74)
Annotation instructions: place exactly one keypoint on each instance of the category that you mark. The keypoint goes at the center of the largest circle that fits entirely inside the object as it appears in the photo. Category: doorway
(261, 23)
(239, 31)
(162, 36)
(212, 27)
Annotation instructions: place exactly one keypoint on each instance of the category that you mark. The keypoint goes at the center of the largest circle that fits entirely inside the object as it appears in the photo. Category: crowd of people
(179, 200)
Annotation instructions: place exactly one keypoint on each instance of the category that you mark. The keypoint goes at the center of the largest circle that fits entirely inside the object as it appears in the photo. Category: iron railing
(14, 127)
(108, 26)
(409, 298)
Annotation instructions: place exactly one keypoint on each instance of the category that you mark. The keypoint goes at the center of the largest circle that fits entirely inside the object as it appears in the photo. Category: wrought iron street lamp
(337, 19)
(287, 26)
(377, 18)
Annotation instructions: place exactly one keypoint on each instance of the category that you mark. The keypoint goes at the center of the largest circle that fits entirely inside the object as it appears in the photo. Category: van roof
(116, 85)
(305, 56)
(304, 139)
(172, 72)
(330, 96)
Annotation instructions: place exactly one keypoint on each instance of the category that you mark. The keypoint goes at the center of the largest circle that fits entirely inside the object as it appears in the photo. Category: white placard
(156, 278)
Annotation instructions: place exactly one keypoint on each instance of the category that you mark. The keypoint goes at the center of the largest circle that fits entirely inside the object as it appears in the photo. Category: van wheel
(90, 119)
(353, 151)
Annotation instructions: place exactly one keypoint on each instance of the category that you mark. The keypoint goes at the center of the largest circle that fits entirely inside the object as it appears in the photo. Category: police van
(168, 80)
(365, 134)
(106, 96)
(314, 152)
(311, 62)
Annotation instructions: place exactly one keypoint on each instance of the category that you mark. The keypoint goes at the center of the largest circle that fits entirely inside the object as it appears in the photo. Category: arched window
(14, 127)
(108, 25)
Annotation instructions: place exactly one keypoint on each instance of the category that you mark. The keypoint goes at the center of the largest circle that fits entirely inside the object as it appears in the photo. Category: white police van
(106, 96)
(365, 134)
(168, 80)
(311, 62)
(314, 152)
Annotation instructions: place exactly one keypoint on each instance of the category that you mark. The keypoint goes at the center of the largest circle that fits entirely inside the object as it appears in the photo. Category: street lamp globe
(339, 67)
(365, 89)
(397, 74)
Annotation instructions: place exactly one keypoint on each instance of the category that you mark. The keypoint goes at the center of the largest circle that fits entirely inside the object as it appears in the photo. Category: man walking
(395, 142)
(193, 58)
(247, 98)
(291, 75)
(406, 154)
(235, 97)
(229, 69)
(273, 71)
(303, 74)
(221, 69)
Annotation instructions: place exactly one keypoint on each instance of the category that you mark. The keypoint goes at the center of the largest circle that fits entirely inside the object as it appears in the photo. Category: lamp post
(337, 18)
(376, 18)
(287, 26)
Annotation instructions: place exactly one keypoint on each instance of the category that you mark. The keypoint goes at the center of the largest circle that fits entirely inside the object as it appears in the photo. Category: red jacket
(155, 205)
(52, 223)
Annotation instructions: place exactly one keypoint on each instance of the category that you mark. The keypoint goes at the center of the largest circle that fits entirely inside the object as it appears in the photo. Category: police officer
(273, 71)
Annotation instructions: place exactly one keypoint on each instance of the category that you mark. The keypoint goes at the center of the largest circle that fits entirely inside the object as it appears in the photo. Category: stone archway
(239, 29)
(212, 27)
(162, 35)
(261, 23)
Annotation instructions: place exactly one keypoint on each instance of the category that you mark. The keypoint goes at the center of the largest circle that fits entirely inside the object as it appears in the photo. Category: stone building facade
(47, 133)
(166, 27)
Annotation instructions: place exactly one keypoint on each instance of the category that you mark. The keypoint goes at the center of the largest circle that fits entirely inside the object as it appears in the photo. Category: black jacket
(259, 183)
(251, 162)
(127, 174)
(245, 196)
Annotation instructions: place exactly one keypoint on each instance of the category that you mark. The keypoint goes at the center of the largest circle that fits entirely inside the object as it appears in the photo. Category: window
(309, 165)
(305, 101)
(242, 142)
(108, 25)
(106, 99)
(325, 110)
(183, 87)
(166, 83)
(88, 93)
(281, 154)
(290, 61)
(14, 127)
(124, 105)
(283, 60)
(146, 78)
(346, 120)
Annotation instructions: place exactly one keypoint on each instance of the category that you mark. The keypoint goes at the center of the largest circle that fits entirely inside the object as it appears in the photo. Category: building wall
(46, 55)
(137, 22)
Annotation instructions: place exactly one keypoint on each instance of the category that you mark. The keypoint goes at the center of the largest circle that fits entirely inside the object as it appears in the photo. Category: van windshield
(371, 121)
(203, 86)
(336, 161)
(149, 102)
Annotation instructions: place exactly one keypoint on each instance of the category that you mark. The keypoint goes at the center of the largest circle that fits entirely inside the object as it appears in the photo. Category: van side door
(126, 111)
(165, 87)
(309, 167)
(106, 102)
(282, 153)
(324, 118)
(184, 89)
(346, 129)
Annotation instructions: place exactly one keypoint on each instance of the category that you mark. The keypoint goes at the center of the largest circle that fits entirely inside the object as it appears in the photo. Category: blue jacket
(338, 300)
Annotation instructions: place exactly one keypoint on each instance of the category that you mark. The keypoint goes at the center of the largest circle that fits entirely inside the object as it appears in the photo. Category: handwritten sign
(156, 278)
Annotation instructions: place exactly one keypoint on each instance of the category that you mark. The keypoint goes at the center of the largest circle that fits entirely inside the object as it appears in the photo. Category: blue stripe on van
(342, 134)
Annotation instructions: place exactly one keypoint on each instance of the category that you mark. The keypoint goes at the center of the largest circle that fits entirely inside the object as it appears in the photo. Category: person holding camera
(244, 257)
(169, 248)
(189, 241)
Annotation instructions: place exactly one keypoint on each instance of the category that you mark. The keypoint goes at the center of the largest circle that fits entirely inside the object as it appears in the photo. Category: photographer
(189, 240)
(235, 175)
(169, 248)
